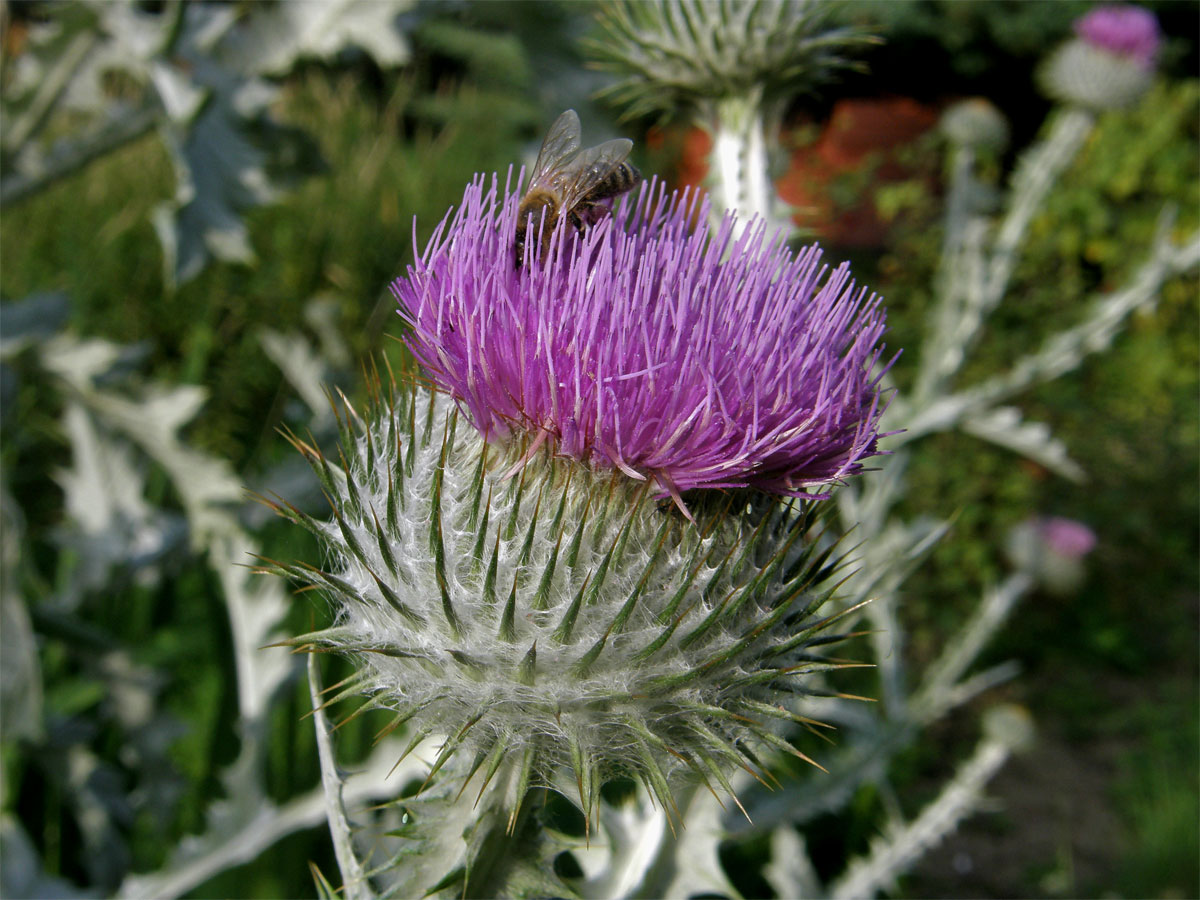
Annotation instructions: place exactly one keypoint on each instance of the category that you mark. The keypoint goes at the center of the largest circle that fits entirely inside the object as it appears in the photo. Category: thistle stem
(353, 876)
(743, 129)
(974, 281)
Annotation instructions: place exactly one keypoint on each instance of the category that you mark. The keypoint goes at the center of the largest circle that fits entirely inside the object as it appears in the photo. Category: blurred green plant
(1157, 796)
(90, 79)
(112, 576)
(1131, 420)
(972, 35)
(980, 354)
(1107, 202)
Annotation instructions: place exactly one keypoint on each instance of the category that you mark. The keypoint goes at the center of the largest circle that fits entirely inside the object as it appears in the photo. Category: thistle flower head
(1110, 64)
(1066, 537)
(542, 612)
(1124, 30)
(669, 352)
(669, 54)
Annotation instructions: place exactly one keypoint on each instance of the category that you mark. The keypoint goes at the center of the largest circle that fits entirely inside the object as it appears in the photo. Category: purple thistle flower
(1122, 29)
(651, 345)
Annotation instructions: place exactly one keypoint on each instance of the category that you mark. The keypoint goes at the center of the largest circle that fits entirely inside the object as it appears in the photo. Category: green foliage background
(1130, 418)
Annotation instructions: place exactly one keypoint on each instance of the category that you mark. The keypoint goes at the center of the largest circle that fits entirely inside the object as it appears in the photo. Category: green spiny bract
(555, 620)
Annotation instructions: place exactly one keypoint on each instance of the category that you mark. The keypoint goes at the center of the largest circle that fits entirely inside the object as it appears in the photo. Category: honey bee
(571, 183)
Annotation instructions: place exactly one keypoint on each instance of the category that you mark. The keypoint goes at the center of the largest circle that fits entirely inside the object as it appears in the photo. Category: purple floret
(1124, 30)
(651, 345)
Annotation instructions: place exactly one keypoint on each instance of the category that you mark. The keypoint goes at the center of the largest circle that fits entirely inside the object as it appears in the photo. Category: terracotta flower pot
(860, 136)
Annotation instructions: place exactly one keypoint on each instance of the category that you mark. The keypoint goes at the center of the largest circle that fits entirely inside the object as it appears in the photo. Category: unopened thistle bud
(975, 123)
(591, 550)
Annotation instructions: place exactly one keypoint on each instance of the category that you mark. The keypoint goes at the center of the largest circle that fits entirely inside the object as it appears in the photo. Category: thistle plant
(565, 590)
(1107, 66)
(732, 67)
(593, 548)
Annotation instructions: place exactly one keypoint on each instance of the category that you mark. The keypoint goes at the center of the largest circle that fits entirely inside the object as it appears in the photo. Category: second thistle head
(1110, 62)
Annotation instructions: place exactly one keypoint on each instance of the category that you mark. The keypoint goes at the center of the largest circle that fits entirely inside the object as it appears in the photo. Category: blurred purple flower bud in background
(1051, 549)
(1066, 537)
(1122, 29)
(649, 344)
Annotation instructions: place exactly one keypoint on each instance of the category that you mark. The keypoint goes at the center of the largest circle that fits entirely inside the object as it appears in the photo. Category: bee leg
(576, 218)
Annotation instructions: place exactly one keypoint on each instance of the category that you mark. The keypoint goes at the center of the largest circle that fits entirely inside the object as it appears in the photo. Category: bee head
(533, 216)
(519, 243)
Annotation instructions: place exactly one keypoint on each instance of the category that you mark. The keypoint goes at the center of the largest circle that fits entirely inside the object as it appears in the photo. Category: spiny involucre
(505, 558)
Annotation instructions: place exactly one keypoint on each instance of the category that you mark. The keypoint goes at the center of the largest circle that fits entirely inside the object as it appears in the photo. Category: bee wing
(559, 147)
(590, 167)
